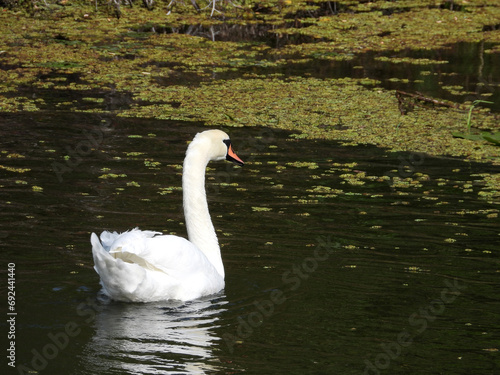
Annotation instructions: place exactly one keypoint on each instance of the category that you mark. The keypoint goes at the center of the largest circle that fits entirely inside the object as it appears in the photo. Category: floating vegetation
(261, 209)
(169, 190)
(308, 165)
(409, 60)
(112, 175)
(150, 163)
(15, 156)
(491, 190)
(15, 170)
(364, 28)
(253, 70)
(324, 190)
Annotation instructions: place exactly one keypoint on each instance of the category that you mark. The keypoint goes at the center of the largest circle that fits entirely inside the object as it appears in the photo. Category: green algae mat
(294, 65)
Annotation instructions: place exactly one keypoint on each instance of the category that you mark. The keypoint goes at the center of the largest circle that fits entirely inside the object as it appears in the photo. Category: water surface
(332, 264)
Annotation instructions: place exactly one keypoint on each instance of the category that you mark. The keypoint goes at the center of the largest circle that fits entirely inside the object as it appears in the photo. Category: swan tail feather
(120, 279)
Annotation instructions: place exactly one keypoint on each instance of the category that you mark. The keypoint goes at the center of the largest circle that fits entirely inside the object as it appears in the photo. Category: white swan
(144, 266)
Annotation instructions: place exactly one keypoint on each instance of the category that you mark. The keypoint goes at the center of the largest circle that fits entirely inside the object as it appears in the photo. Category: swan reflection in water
(154, 338)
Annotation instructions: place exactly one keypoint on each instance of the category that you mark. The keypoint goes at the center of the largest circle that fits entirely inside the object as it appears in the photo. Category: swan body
(145, 266)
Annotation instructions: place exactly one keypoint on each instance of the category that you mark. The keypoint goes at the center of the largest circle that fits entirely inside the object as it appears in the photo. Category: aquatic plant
(469, 117)
(261, 71)
(483, 136)
(493, 138)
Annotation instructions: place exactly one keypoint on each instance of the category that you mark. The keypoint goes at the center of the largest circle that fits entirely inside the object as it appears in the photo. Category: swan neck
(200, 229)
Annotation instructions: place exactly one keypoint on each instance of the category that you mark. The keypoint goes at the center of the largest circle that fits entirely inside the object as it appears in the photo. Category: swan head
(217, 145)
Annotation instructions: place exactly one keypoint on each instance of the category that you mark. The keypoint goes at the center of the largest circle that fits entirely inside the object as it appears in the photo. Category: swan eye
(227, 142)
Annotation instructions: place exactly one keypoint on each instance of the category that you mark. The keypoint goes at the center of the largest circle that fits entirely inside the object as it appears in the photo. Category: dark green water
(323, 276)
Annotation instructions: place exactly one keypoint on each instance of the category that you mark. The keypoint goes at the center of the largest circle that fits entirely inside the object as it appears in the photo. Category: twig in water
(421, 97)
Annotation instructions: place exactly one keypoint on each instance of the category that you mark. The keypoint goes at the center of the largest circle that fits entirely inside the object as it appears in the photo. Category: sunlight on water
(154, 338)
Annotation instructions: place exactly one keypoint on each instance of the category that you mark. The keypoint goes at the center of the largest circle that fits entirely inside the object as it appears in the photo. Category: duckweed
(184, 77)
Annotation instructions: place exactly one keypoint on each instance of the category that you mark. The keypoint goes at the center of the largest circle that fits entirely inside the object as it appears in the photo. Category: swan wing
(147, 266)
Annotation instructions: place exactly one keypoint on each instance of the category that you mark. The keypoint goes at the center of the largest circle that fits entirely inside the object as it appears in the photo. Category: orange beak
(231, 156)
